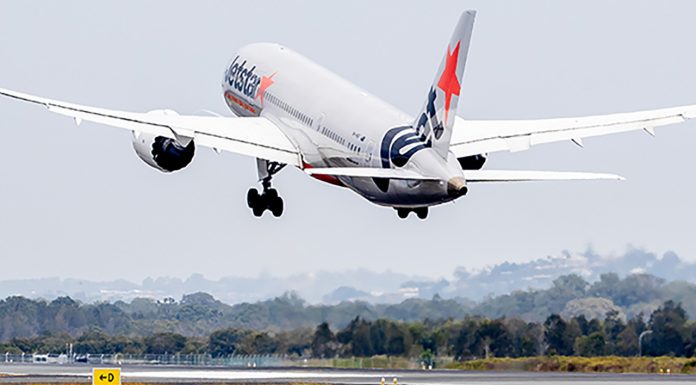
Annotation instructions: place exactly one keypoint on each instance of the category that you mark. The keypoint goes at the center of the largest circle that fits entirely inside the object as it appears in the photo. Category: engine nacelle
(473, 162)
(162, 153)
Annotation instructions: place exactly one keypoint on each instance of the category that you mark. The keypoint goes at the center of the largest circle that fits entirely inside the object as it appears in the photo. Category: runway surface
(38, 373)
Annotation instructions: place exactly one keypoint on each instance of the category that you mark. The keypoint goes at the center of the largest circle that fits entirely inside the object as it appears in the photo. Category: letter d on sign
(106, 376)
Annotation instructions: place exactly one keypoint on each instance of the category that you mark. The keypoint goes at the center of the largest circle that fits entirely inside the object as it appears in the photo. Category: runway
(38, 373)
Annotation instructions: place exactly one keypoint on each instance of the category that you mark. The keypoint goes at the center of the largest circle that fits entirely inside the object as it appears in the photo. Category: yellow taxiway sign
(106, 376)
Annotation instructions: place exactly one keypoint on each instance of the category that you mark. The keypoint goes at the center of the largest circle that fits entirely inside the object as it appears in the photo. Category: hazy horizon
(326, 286)
(447, 273)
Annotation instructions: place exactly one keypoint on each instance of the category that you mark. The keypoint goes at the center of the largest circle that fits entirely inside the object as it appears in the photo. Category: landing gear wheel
(258, 209)
(402, 213)
(253, 198)
(422, 212)
(271, 193)
(276, 206)
(268, 200)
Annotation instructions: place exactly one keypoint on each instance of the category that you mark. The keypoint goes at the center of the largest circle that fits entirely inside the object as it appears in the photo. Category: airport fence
(235, 360)
(250, 361)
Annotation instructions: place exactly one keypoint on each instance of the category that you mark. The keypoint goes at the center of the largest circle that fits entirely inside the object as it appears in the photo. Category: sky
(77, 202)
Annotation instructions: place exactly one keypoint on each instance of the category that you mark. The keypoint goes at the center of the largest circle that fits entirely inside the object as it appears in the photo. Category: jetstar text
(242, 79)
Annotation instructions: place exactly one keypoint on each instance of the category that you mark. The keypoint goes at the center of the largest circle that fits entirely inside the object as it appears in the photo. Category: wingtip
(469, 13)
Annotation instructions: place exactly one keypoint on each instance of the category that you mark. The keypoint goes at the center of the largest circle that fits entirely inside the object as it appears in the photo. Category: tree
(606, 287)
(226, 342)
(590, 346)
(613, 327)
(378, 336)
(362, 341)
(324, 342)
(390, 338)
(568, 287)
(527, 337)
(669, 332)
(399, 341)
(558, 336)
(93, 341)
(637, 288)
(627, 341)
(161, 343)
(345, 336)
(493, 338)
(262, 343)
(466, 339)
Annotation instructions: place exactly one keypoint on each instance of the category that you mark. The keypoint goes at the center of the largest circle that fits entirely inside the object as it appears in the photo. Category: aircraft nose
(456, 187)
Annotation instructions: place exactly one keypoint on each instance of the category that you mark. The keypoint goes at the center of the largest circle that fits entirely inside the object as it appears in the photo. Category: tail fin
(436, 119)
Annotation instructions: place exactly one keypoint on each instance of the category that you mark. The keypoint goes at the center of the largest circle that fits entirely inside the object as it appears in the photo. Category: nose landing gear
(421, 212)
(268, 199)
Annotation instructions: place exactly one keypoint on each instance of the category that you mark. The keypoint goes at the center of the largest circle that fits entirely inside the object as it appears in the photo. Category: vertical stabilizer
(436, 119)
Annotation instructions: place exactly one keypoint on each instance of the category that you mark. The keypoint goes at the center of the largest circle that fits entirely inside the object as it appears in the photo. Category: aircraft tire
(253, 198)
(258, 210)
(402, 213)
(276, 206)
(271, 194)
(422, 212)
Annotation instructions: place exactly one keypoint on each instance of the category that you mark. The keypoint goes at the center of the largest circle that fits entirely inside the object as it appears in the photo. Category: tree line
(666, 331)
(200, 314)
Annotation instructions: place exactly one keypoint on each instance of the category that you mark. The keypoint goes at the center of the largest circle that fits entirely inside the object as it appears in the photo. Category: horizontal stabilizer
(366, 172)
(482, 176)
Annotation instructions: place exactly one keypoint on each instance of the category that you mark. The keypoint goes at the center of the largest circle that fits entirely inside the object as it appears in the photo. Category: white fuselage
(335, 124)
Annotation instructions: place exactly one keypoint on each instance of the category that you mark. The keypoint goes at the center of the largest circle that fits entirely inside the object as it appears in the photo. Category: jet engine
(473, 162)
(162, 153)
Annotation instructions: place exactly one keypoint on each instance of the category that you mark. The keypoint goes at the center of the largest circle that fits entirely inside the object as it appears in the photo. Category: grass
(609, 364)
(569, 364)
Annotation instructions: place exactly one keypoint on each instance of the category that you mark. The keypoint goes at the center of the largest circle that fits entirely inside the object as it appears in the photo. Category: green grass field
(608, 364)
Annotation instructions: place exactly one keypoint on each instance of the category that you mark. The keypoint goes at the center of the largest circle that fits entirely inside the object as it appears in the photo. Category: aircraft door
(369, 151)
(319, 121)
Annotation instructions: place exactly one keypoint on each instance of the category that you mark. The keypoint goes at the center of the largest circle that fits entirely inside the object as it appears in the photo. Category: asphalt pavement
(54, 373)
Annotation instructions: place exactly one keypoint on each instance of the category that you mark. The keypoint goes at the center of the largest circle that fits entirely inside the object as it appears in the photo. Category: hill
(200, 313)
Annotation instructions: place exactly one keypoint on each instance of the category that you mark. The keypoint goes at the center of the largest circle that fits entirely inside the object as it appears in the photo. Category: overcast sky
(77, 202)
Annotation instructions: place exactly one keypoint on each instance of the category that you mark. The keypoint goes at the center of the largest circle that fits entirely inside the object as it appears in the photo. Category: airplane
(288, 110)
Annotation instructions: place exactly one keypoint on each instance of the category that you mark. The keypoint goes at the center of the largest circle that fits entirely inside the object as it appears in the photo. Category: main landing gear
(268, 199)
(421, 212)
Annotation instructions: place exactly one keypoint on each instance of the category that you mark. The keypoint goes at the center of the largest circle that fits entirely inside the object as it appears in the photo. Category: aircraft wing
(473, 137)
(257, 137)
(488, 176)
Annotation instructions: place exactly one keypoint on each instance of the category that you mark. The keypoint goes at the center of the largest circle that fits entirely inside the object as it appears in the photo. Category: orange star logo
(448, 81)
(266, 81)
